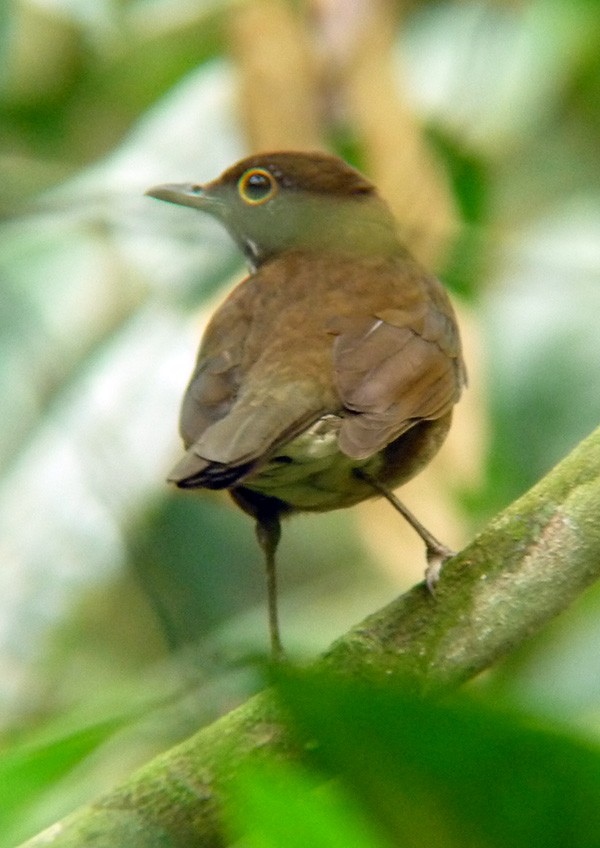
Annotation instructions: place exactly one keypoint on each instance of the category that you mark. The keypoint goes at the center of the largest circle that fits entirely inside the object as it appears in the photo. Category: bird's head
(273, 202)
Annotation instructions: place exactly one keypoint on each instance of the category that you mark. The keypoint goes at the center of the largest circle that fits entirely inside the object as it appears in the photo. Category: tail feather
(194, 472)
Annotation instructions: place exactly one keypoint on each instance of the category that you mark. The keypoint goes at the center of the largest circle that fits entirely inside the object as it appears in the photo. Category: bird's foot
(437, 556)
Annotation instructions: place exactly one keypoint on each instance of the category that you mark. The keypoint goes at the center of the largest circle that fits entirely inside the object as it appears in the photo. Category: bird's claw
(436, 559)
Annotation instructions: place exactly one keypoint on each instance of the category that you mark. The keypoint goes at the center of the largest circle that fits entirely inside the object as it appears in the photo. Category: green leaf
(470, 176)
(449, 774)
(27, 772)
(274, 805)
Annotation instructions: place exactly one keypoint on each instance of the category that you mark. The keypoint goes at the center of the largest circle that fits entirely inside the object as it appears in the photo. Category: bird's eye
(256, 186)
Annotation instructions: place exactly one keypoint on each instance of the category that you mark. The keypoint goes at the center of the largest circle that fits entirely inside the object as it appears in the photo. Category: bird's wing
(239, 405)
(214, 384)
(393, 369)
(210, 394)
(262, 417)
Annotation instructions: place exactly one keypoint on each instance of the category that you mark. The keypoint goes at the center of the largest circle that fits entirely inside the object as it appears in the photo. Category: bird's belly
(312, 473)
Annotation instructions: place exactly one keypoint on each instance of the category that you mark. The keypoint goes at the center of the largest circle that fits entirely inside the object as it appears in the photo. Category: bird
(330, 373)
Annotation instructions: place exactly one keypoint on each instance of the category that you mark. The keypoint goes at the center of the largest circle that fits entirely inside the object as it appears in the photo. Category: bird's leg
(436, 552)
(268, 533)
(266, 512)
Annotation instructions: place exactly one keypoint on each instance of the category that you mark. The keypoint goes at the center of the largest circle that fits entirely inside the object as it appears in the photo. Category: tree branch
(523, 569)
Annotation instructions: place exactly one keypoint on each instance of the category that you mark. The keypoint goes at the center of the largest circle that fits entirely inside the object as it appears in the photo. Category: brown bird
(329, 374)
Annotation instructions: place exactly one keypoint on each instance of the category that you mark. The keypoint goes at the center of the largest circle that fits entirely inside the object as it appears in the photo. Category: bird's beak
(185, 194)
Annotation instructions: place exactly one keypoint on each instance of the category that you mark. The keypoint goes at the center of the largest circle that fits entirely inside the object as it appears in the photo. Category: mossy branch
(525, 567)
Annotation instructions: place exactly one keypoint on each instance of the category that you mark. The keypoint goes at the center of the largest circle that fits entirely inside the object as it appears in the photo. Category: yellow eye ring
(256, 186)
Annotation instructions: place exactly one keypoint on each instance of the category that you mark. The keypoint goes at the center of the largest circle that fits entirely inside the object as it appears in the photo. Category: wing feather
(392, 370)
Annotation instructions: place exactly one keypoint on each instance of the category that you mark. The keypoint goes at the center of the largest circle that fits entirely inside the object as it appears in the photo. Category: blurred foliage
(276, 805)
(417, 773)
(28, 771)
(470, 183)
(110, 580)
